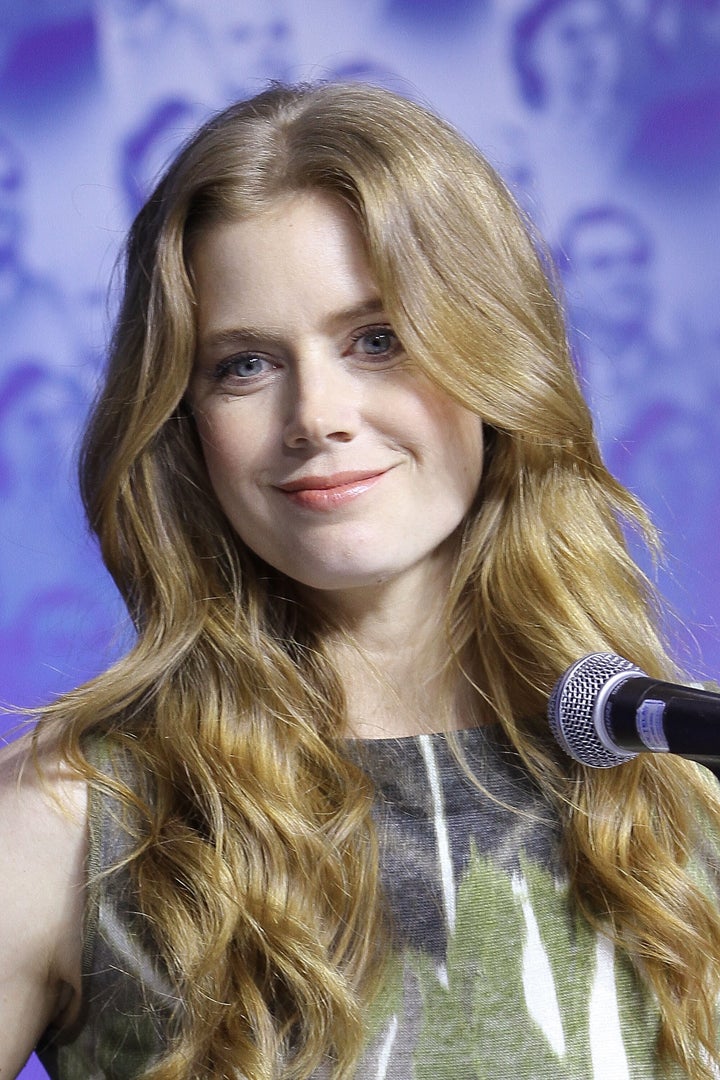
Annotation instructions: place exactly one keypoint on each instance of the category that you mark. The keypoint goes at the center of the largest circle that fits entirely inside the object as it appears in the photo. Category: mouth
(330, 491)
(327, 482)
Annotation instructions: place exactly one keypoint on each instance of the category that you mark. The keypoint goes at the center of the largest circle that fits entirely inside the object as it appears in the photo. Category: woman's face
(335, 460)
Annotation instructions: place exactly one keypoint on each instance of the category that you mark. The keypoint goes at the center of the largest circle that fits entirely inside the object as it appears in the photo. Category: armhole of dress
(93, 881)
(53, 1040)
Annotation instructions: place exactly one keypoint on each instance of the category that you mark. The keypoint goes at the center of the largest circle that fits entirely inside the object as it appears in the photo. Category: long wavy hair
(256, 863)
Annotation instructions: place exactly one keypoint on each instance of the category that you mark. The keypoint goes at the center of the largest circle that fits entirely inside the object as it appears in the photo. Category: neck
(396, 667)
(385, 702)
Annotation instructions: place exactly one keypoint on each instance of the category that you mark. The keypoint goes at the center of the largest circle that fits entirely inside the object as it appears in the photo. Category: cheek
(469, 450)
(228, 432)
(457, 437)
(227, 448)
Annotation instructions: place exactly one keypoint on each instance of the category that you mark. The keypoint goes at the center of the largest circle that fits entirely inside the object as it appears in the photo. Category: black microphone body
(645, 714)
(605, 710)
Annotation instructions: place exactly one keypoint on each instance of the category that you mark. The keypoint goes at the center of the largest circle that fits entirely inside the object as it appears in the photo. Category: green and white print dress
(493, 975)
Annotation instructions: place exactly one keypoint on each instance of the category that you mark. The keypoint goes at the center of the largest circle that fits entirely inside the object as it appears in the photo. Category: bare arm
(42, 859)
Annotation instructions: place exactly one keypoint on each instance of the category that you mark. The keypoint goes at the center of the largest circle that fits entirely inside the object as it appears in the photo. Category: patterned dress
(493, 976)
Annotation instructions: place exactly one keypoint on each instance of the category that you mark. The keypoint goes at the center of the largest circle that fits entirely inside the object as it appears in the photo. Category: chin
(341, 581)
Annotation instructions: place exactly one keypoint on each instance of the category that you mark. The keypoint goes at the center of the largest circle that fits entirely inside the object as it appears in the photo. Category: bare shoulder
(43, 809)
(45, 797)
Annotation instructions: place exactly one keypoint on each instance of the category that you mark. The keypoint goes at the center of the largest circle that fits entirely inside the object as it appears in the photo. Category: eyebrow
(372, 306)
(233, 336)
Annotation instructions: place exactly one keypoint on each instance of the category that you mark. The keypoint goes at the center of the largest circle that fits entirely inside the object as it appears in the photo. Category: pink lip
(327, 492)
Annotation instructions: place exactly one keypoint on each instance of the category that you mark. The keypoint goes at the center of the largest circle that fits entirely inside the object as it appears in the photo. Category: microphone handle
(641, 713)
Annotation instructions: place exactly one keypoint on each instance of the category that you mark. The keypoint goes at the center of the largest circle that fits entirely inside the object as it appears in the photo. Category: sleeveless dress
(494, 976)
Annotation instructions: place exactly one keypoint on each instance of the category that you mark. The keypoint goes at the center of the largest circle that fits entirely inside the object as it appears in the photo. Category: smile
(329, 492)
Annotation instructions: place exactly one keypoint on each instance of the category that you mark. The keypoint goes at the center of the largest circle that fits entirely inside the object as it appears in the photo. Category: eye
(379, 341)
(243, 366)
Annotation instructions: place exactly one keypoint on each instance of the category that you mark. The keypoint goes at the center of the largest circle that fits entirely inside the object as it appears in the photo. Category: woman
(343, 476)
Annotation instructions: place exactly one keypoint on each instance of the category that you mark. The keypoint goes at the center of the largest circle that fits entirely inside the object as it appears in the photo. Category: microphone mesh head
(572, 704)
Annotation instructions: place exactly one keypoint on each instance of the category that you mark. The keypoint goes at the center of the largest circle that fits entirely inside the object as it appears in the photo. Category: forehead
(303, 253)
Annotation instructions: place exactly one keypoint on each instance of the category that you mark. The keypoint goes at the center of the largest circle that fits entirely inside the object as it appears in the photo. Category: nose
(322, 405)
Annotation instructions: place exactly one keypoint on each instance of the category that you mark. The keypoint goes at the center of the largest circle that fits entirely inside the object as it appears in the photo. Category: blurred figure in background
(435, 17)
(59, 639)
(607, 262)
(651, 397)
(146, 151)
(32, 308)
(43, 538)
(571, 63)
(568, 57)
(246, 44)
(152, 52)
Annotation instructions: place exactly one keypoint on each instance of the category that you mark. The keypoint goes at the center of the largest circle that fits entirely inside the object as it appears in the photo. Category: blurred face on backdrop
(333, 457)
(577, 52)
(39, 427)
(11, 219)
(609, 273)
(248, 44)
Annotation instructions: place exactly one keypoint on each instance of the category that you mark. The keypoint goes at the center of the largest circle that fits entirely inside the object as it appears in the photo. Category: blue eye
(243, 366)
(377, 341)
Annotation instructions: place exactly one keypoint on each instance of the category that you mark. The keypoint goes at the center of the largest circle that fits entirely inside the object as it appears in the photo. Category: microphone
(605, 710)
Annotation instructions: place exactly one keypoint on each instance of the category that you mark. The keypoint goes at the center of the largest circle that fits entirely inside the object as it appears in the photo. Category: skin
(42, 858)
(333, 457)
